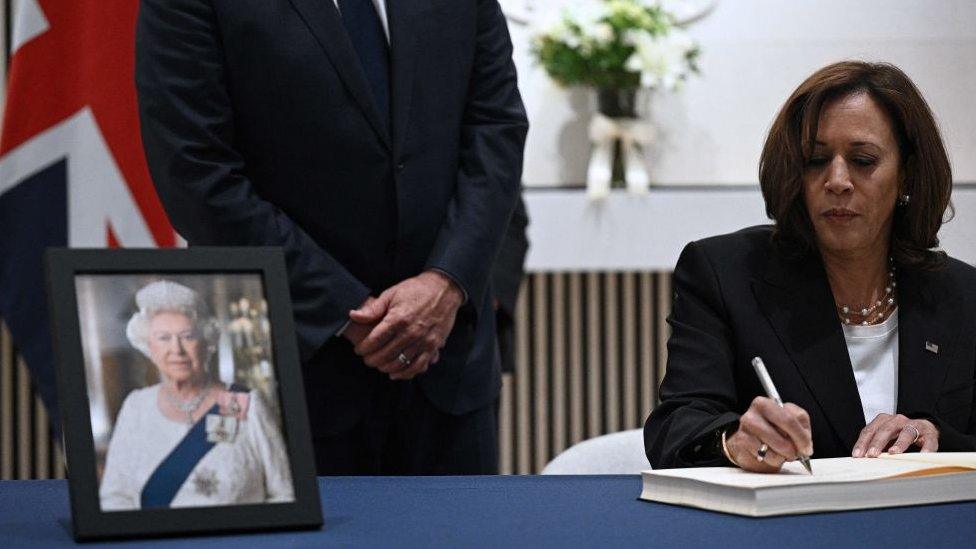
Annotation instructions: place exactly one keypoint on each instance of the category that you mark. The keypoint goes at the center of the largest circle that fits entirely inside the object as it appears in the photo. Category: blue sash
(167, 479)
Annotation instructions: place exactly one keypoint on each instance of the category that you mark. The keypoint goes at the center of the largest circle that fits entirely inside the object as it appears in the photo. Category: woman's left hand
(906, 432)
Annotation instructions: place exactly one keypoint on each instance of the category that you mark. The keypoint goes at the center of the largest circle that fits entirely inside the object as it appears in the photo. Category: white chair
(619, 453)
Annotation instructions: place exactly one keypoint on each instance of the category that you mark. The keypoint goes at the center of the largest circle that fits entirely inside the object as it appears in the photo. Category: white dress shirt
(381, 11)
(874, 356)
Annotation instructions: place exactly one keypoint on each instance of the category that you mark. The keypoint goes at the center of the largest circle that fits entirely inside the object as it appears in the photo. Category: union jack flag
(72, 170)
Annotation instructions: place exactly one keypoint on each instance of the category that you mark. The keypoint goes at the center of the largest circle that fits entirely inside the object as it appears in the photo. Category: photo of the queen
(197, 422)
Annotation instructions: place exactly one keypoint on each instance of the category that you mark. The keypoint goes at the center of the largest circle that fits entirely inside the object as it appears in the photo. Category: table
(518, 511)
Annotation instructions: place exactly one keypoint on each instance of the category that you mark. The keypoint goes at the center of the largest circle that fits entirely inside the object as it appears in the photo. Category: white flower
(603, 33)
(627, 8)
(661, 60)
(562, 33)
(558, 31)
(660, 57)
(632, 36)
(589, 14)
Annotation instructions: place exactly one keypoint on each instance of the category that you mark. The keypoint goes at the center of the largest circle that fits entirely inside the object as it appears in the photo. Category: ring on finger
(914, 428)
(404, 361)
(761, 452)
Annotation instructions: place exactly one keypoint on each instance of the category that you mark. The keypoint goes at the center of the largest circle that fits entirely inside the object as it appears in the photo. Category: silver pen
(771, 392)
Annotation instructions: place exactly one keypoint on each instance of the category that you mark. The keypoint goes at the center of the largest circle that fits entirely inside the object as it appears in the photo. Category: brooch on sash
(223, 426)
(205, 482)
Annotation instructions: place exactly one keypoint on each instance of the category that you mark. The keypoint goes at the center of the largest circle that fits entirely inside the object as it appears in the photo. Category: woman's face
(852, 179)
(175, 346)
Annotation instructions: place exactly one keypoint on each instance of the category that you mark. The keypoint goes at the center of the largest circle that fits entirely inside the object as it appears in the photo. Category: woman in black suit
(866, 329)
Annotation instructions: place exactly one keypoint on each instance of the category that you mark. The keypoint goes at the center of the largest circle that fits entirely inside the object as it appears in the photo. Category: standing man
(506, 281)
(380, 145)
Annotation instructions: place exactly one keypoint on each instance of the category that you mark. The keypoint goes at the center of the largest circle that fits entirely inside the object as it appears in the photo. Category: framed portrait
(180, 391)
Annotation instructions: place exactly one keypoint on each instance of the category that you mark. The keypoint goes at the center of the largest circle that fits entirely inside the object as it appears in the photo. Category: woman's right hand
(785, 430)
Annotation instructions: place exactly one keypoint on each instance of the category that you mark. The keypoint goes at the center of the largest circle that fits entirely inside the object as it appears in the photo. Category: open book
(837, 484)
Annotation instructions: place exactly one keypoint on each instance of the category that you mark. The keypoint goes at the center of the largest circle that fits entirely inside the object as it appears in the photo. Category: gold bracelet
(725, 450)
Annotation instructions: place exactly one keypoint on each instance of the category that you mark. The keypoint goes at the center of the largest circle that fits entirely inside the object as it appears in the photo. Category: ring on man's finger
(404, 361)
(761, 452)
(914, 428)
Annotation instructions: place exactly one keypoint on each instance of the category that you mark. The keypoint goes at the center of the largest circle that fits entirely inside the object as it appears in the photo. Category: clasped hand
(401, 332)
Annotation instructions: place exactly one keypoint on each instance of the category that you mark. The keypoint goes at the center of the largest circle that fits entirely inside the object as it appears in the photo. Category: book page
(952, 459)
(829, 470)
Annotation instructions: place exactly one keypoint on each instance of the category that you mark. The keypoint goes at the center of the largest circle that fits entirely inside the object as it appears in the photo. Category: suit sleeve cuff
(706, 450)
(454, 280)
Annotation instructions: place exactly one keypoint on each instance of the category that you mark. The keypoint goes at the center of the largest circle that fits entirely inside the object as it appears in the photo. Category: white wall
(624, 232)
(754, 53)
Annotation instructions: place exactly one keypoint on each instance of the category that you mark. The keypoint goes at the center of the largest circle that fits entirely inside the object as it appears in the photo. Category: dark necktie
(365, 30)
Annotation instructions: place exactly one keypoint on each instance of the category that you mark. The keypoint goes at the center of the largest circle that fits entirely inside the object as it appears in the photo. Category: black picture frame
(89, 520)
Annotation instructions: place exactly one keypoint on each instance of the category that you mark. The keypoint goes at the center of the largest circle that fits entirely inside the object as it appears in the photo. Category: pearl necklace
(188, 406)
(866, 314)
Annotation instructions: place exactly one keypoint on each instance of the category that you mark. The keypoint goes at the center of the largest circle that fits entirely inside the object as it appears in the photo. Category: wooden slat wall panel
(7, 362)
(506, 425)
(522, 434)
(591, 349)
(23, 409)
(631, 390)
(594, 426)
(590, 354)
(576, 433)
(26, 448)
(558, 321)
(540, 382)
(647, 342)
(610, 395)
(41, 442)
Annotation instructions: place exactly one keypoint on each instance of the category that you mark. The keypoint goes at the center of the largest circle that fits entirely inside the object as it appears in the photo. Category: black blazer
(736, 298)
(506, 281)
(260, 130)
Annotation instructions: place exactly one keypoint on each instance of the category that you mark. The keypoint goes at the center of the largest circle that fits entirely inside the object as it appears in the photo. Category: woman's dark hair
(928, 176)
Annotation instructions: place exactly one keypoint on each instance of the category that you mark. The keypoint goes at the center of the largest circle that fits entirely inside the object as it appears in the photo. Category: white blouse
(252, 468)
(874, 356)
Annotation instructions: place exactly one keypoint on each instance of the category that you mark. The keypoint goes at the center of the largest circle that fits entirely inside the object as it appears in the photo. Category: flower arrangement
(617, 44)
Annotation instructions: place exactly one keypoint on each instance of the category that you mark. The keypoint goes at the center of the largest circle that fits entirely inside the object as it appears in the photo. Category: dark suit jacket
(260, 130)
(736, 298)
(506, 279)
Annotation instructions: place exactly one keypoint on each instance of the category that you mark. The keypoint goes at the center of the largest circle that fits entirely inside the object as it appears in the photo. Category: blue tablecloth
(536, 511)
